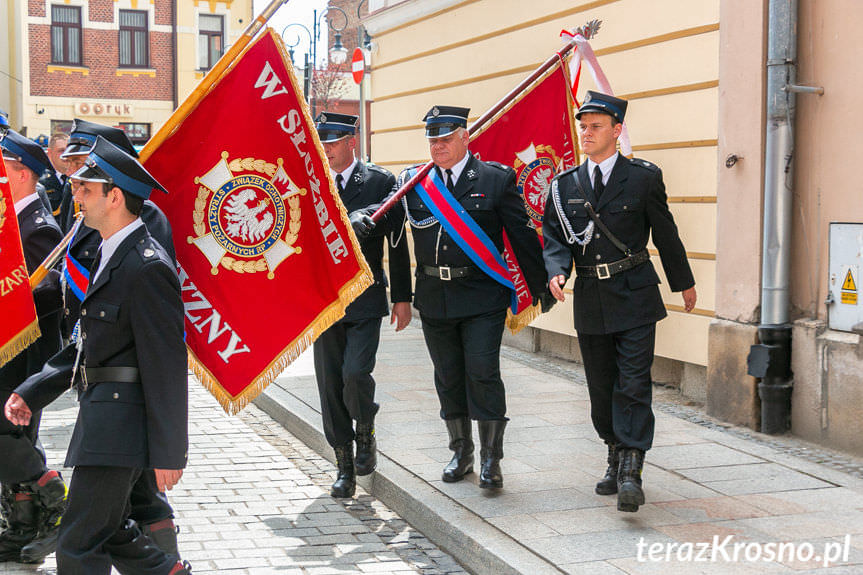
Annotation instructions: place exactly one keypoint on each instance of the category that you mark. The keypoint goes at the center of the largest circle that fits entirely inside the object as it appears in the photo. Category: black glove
(546, 301)
(362, 223)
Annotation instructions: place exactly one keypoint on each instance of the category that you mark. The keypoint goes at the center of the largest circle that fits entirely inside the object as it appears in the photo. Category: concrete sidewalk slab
(704, 481)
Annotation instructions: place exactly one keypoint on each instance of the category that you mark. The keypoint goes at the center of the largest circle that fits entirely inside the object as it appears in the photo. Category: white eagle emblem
(243, 221)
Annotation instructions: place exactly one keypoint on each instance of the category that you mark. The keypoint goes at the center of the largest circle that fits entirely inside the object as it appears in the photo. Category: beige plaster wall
(826, 188)
(662, 55)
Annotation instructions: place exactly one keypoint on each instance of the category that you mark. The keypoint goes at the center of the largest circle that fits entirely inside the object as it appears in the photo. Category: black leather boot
(367, 448)
(346, 481)
(461, 444)
(21, 517)
(164, 535)
(49, 495)
(629, 492)
(608, 484)
(491, 452)
(134, 552)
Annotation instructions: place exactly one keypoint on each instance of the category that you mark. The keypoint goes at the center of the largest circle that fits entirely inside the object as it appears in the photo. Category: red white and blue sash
(471, 238)
(77, 276)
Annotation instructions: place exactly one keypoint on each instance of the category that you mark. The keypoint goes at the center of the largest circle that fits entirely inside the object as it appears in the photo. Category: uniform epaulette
(643, 164)
(565, 172)
(41, 214)
(376, 168)
(498, 165)
(147, 249)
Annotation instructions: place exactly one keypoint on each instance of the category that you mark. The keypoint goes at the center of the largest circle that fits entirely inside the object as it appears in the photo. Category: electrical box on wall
(845, 301)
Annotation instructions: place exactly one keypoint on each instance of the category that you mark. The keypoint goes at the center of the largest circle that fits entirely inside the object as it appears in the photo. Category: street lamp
(291, 46)
(338, 54)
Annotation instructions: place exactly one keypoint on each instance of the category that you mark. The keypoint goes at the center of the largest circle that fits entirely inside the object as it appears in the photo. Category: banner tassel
(20, 342)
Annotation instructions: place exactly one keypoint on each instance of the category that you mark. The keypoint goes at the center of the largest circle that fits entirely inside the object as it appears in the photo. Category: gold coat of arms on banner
(247, 215)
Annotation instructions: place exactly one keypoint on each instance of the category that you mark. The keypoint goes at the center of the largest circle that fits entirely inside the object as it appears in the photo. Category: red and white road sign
(358, 65)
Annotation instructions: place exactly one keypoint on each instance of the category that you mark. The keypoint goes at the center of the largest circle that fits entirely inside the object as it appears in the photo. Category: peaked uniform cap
(84, 135)
(332, 126)
(597, 102)
(443, 120)
(17, 147)
(109, 164)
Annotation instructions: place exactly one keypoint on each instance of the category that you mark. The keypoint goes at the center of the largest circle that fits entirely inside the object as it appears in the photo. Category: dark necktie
(95, 267)
(340, 183)
(598, 187)
(449, 184)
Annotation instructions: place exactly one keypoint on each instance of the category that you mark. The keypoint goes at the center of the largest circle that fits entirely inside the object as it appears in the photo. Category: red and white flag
(20, 325)
(266, 254)
(535, 134)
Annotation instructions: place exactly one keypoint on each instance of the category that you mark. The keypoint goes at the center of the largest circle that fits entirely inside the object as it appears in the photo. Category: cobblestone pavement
(255, 500)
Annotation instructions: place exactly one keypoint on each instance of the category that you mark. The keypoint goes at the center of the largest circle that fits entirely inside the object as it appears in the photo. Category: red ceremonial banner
(20, 325)
(266, 254)
(535, 135)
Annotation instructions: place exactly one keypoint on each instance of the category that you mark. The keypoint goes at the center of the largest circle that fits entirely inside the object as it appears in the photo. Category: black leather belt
(92, 375)
(605, 271)
(447, 273)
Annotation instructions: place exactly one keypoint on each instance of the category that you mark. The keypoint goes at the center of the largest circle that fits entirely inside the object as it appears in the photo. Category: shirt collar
(456, 169)
(110, 245)
(605, 166)
(346, 173)
(24, 202)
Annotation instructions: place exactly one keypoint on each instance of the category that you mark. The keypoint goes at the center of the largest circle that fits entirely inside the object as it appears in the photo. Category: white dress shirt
(24, 202)
(605, 166)
(456, 169)
(110, 245)
(346, 173)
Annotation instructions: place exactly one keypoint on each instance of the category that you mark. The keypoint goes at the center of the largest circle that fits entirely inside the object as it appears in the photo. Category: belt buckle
(445, 273)
(602, 271)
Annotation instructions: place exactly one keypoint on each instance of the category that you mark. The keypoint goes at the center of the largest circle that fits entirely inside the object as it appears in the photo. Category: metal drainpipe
(771, 359)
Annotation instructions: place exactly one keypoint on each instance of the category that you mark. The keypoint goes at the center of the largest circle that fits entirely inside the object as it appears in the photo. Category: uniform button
(140, 241)
(86, 252)
(445, 248)
(83, 336)
(625, 207)
(68, 311)
(599, 257)
(597, 236)
(116, 396)
(83, 312)
(101, 314)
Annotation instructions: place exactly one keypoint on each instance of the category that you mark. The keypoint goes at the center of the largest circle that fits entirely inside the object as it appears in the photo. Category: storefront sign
(104, 109)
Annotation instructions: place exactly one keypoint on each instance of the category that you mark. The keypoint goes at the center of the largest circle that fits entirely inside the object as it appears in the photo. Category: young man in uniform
(131, 373)
(32, 497)
(599, 217)
(150, 508)
(463, 310)
(345, 353)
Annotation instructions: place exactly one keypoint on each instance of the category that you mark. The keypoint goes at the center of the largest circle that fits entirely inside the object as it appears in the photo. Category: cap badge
(435, 112)
(323, 118)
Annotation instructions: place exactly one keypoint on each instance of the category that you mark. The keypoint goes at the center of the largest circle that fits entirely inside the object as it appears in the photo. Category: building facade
(434, 52)
(695, 75)
(125, 63)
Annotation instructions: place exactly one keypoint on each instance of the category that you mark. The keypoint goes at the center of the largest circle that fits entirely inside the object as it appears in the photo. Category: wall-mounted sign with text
(104, 109)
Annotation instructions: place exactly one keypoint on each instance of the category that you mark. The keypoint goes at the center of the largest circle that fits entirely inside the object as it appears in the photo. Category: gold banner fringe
(333, 313)
(518, 322)
(21, 341)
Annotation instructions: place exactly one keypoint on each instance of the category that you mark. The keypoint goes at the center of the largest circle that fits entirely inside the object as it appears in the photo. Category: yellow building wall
(237, 16)
(662, 55)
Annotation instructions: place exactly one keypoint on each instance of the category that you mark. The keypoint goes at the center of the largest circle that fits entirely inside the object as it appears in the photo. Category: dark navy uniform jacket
(53, 190)
(39, 235)
(488, 192)
(86, 243)
(634, 207)
(370, 184)
(132, 316)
